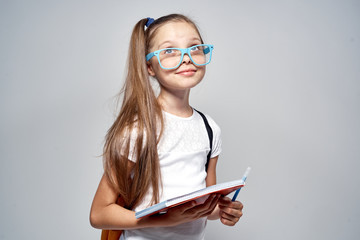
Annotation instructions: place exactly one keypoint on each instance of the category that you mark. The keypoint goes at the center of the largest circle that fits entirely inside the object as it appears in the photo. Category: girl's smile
(188, 72)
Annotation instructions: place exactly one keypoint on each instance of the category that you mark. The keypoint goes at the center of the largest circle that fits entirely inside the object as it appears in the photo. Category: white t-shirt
(182, 151)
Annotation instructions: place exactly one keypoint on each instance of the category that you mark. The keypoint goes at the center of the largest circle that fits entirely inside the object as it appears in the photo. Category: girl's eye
(195, 48)
(168, 51)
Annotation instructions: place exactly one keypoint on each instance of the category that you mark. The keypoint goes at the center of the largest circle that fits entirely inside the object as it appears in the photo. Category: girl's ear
(150, 70)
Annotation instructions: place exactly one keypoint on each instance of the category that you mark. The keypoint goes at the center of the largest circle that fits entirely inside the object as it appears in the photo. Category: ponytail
(141, 112)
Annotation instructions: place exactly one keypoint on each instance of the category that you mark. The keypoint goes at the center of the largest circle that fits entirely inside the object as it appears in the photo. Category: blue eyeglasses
(171, 58)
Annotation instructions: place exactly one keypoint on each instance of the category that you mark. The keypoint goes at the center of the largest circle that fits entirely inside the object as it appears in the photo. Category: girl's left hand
(230, 212)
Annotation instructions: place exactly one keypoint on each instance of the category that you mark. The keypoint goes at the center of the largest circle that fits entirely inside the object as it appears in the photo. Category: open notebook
(200, 196)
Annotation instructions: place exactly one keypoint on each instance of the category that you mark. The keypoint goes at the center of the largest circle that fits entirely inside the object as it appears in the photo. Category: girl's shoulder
(214, 126)
(211, 121)
(216, 140)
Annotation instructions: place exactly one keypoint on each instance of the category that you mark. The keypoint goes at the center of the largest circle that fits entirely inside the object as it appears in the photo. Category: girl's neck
(176, 104)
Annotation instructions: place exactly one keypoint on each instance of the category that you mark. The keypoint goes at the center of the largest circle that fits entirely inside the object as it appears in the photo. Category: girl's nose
(186, 59)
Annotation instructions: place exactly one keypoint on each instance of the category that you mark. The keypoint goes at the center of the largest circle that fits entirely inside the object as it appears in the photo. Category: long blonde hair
(141, 112)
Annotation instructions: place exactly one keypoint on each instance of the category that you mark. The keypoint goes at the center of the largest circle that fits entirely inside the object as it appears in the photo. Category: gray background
(283, 85)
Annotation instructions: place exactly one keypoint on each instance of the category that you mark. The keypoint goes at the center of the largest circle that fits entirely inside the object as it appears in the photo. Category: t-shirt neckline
(178, 117)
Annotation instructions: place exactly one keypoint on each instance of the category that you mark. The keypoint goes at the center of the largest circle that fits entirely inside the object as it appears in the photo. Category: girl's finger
(232, 215)
(231, 211)
(184, 207)
(211, 207)
(228, 222)
(226, 202)
(205, 208)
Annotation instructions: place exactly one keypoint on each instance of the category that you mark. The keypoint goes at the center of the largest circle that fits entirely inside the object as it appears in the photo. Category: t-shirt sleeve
(132, 135)
(132, 154)
(216, 146)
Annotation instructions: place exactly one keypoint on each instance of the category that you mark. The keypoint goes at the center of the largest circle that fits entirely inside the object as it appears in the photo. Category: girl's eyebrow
(174, 43)
(164, 43)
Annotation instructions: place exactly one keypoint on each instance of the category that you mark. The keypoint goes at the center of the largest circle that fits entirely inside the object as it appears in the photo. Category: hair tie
(149, 21)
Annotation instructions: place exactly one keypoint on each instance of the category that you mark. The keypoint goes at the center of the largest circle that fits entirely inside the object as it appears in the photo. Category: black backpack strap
(210, 134)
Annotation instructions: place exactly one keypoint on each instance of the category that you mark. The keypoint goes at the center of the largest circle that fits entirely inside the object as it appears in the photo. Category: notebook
(200, 196)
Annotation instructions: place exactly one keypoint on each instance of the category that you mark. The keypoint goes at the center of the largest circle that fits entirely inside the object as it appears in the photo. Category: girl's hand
(230, 212)
(189, 211)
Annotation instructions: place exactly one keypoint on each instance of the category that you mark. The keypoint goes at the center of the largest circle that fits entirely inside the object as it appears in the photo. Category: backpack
(115, 234)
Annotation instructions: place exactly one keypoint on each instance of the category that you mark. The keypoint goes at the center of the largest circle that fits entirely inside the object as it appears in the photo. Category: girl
(157, 147)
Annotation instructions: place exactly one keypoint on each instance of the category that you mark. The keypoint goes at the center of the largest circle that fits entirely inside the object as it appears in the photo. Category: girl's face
(187, 75)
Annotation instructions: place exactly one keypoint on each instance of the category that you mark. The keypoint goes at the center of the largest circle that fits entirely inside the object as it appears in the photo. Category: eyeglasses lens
(170, 58)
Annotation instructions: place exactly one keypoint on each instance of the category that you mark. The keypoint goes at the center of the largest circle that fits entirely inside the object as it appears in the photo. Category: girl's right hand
(188, 212)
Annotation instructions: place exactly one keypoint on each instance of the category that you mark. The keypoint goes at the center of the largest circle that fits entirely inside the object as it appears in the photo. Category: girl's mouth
(187, 72)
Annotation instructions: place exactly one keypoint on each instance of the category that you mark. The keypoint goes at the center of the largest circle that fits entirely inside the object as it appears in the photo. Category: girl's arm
(229, 212)
(211, 180)
(106, 214)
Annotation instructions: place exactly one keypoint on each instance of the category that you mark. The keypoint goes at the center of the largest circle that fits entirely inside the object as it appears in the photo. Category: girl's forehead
(175, 32)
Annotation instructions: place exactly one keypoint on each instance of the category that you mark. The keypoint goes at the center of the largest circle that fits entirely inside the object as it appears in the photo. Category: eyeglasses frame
(183, 51)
